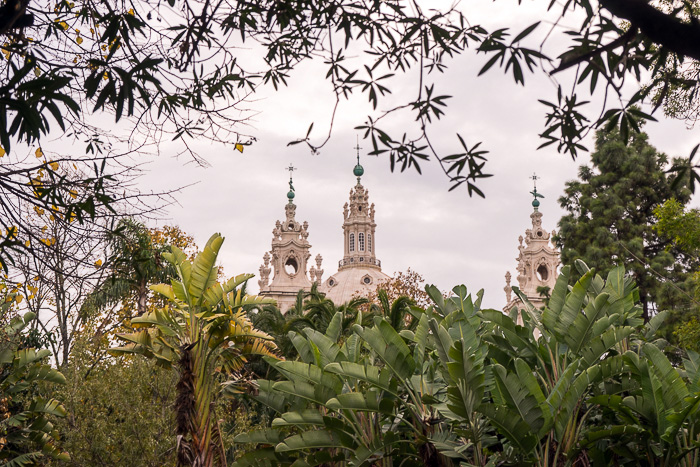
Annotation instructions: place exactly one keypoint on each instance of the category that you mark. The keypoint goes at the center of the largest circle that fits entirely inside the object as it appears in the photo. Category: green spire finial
(358, 170)
(535, 202)
(290, 194)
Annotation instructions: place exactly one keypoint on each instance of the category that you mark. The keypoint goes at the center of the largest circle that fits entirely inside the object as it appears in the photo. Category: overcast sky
(447, 237)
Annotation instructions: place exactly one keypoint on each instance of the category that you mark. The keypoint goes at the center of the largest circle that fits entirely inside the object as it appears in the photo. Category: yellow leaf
(36, 278)
(27, 243)
(79, 40)
(98, 263)
(239, 147)
(52, 218)
(39, 210)
(38, 152)
(2, 151)
(30, 297)
(64, 25)
(131, 11)
(54, 165)
(73, 194)
(18, 298)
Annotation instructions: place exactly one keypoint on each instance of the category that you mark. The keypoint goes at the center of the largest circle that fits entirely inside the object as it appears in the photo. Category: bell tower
(537, 259)
(359, 239)
(288, 258)
(359, 272)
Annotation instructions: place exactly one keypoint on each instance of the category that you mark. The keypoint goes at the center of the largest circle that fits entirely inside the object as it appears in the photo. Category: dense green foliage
(27, 435)
(582, 381)
(119, 410)
(611, 218)
(680, 225)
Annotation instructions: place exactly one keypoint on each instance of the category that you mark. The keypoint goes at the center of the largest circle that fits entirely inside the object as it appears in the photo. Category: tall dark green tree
(611, 215)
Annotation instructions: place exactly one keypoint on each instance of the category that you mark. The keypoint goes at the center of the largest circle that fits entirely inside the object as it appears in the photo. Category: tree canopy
(611, 213)
(175, 70)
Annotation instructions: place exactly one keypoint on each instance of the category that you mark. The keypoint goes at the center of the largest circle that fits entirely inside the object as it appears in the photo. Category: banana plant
(355, 400)
(656, 419)
(27, 436)
(547, 370)
(204, 333)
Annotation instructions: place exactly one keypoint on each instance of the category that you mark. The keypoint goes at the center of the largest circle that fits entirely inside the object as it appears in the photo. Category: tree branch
(567, 61)
(667, 30)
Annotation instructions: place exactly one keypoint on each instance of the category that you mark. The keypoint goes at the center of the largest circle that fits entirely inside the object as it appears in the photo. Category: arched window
(361, 241)
(369, 242)
(352, 242)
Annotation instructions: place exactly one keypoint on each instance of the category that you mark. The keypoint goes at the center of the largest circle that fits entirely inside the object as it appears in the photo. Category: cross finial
(357, 147)
(535, 202)
(534, 180)
(290, 195)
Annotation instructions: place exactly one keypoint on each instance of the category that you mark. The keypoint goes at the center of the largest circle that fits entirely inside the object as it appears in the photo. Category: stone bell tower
(288, 258)
(359, 272)
(538, 261)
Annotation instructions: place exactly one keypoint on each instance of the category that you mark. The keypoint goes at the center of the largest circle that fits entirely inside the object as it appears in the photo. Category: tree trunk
(194, 410)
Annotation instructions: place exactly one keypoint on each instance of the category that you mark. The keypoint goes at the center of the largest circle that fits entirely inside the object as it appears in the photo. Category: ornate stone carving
(316, 272)
(508, 289)
(264, 271)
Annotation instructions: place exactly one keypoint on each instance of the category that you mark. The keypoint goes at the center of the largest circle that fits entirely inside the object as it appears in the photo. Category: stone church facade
(359, 272)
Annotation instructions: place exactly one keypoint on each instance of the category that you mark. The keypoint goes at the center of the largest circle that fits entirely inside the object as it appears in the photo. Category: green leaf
(317, 439)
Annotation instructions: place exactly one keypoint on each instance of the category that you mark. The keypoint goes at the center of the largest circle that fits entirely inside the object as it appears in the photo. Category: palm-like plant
(205, 333)
(320, 311)
(397, 312)
(272, 321)
(26, 434)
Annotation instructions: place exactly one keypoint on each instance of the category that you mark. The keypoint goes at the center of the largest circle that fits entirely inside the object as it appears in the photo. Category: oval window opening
(291, 266)
(542, 273)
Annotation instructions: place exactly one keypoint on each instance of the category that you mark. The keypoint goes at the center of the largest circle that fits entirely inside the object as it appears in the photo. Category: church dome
(345, 284)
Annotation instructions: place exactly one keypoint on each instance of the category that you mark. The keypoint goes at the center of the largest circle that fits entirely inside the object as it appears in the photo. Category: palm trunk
(194, 409)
